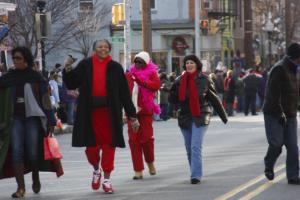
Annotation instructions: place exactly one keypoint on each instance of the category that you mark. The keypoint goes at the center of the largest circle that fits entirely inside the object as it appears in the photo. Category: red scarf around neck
(99, 75)
(188, 82)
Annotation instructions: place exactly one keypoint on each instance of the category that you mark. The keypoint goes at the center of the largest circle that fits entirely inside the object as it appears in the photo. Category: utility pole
(146, 26)
(248, 48)
(197, 28)
(127, 38)
(40, 32)
(288, 19)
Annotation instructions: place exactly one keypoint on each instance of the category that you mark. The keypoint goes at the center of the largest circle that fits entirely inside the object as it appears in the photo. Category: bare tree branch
(87, 26)
(68, 24)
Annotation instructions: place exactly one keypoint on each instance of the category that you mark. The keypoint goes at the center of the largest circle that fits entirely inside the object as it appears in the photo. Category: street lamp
(41, 6)
(269, 28)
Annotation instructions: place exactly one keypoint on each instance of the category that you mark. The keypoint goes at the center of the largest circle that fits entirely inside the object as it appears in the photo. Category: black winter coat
(207, 97)
(230, 93)
(282, 91)
(117, 94)
(251, 83)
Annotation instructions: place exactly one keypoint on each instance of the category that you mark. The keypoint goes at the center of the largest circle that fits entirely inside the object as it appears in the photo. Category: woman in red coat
(143, 82)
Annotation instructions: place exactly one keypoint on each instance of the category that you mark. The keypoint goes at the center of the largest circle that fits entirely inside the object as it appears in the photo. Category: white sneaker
(96, 181)
(107, 186)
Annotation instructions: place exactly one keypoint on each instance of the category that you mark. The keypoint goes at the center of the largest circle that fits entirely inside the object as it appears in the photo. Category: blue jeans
(193, 138)
(164, 111)
(25, 137)
(277, 136)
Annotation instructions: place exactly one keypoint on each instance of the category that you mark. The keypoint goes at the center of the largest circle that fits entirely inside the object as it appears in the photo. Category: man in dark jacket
(251, 84)
(280, 114)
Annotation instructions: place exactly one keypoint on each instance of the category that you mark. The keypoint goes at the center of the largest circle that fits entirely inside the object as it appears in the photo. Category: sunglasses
(17, 58)
(139, 62)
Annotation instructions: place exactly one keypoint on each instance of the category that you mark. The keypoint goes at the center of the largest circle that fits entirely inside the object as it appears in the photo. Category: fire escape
(221, 10)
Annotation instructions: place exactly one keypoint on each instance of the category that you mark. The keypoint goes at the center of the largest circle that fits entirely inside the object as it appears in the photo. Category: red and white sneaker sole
(96, 185)
(107, 190)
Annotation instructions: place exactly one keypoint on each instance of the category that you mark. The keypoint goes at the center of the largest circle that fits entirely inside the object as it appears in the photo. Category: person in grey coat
(164, 95)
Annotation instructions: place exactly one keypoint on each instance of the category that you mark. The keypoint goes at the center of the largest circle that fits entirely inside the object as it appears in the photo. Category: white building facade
(172, 35)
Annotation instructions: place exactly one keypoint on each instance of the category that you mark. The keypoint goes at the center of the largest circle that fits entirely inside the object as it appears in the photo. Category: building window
(152, 4)
(86, 5)
(207, 4)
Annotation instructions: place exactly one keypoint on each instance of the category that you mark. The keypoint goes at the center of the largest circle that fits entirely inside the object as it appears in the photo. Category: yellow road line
(263, 187)
(246, 185)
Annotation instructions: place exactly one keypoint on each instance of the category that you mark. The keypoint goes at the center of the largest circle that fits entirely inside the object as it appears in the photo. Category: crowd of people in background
(240, 92)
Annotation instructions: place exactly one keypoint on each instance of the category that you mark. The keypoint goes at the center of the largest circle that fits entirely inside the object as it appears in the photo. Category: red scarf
(188, 82)
(99, 75)
(226, 83)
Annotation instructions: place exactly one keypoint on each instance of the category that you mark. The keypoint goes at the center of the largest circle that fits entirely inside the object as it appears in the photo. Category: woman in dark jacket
(26, 117)
(194, 92)
(103, 92)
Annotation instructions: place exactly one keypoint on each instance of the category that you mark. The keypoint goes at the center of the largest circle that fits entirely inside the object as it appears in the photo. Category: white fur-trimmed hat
(144, 56)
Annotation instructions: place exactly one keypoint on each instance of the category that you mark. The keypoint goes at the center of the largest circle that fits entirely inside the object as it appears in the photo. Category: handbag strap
(50, 134)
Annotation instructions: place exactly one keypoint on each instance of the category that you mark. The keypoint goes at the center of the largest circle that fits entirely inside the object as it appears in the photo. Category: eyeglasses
(17, 58)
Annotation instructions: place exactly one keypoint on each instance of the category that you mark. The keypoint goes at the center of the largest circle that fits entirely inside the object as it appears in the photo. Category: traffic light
(118, 14)
(204, 27)
(3, 19)
(43, 25)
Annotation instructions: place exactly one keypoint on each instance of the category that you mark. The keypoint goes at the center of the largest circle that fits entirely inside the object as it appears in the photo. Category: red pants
(103, 134)
(101, 121)
(107, 157)
(142, 142)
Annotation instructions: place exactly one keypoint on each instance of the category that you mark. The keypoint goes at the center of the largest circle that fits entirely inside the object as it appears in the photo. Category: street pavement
(232, 158)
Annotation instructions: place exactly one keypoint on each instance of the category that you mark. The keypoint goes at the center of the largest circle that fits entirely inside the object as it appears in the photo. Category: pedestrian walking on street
(251, 85)
(26, 117)
(54, 89)
(195, 92)
(143, 82)
(103, 92)
(219, 84)
(229, 88)
(280, 114)
(165, 86)
(240, 92)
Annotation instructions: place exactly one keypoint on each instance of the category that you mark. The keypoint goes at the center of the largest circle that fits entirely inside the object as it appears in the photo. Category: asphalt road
(233, 169)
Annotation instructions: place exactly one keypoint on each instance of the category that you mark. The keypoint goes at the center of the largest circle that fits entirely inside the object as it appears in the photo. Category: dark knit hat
(293, 51)
(193, 58)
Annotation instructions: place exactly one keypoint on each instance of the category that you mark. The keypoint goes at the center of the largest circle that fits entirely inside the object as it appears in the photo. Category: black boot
(36, 184)
(269, 173)
(19, 175)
